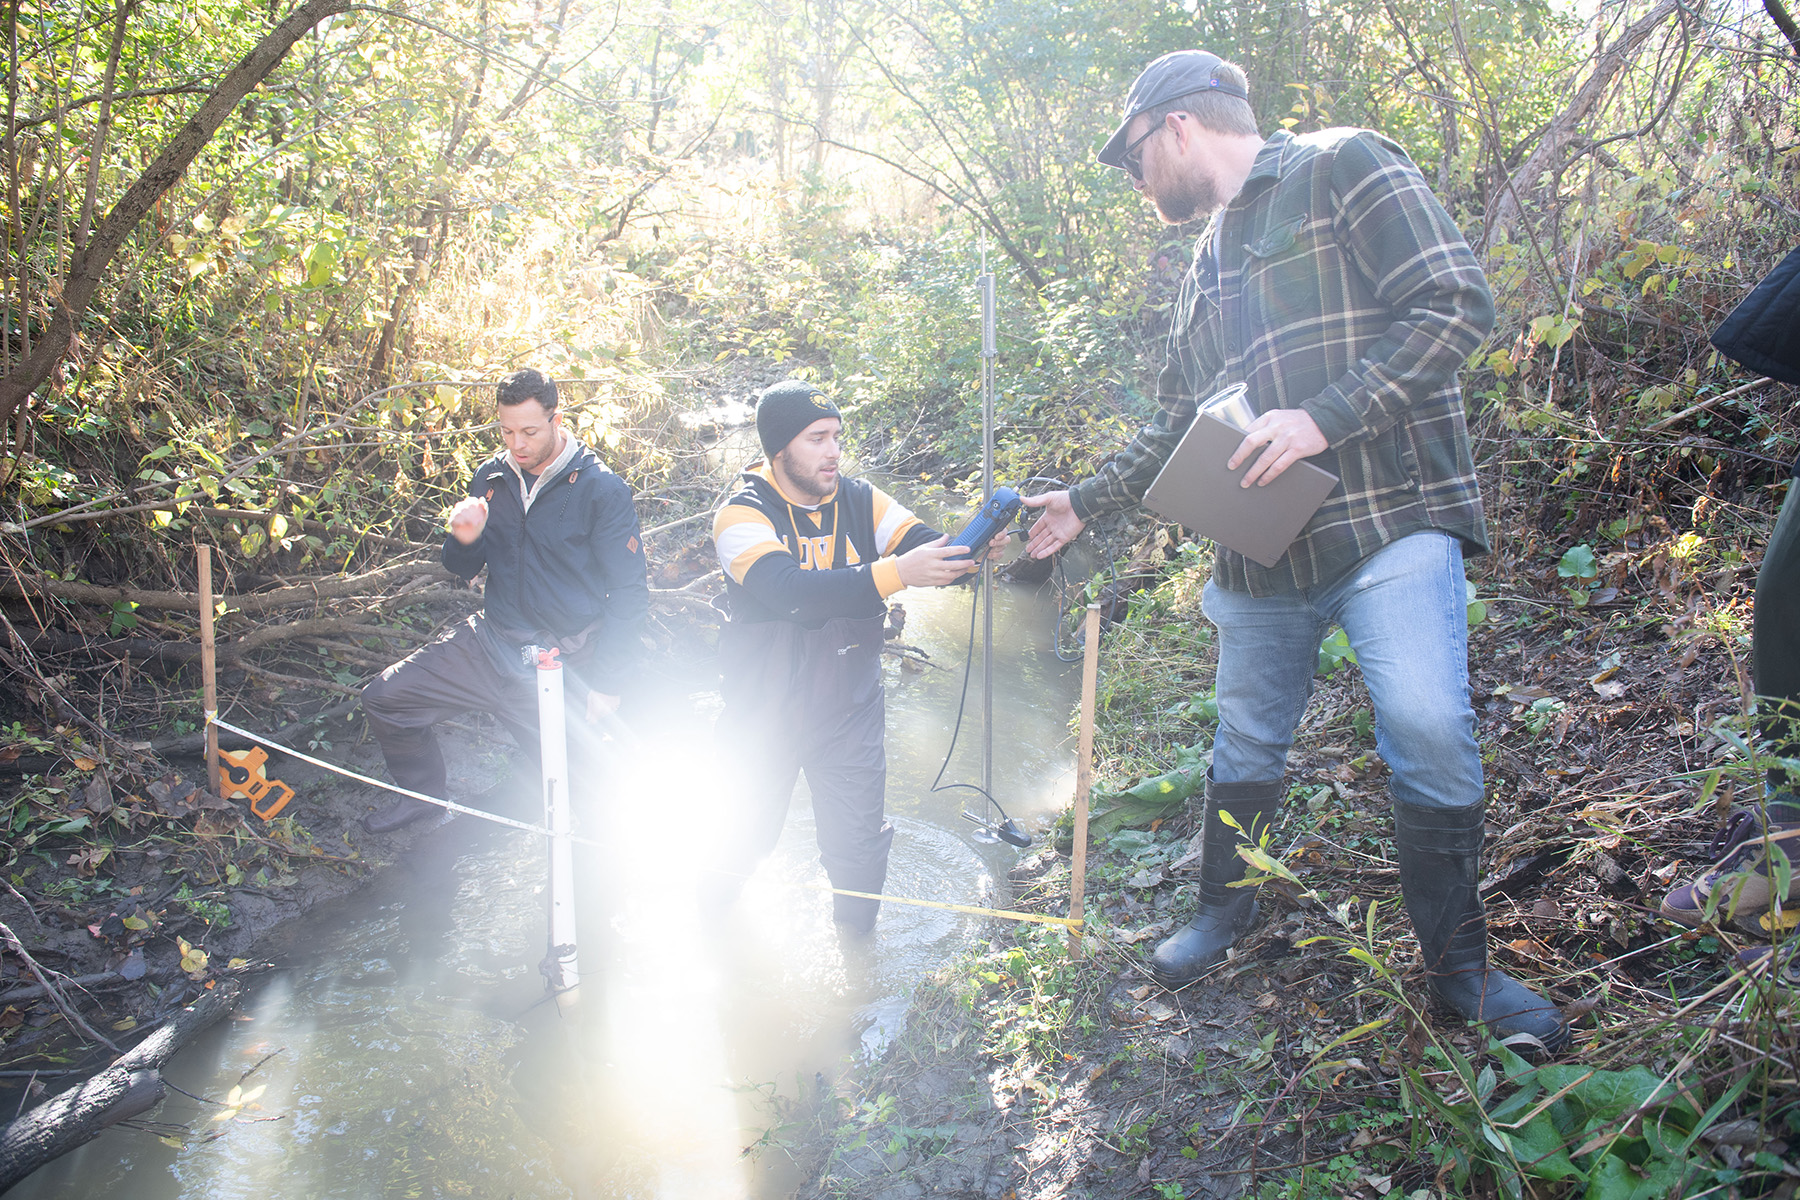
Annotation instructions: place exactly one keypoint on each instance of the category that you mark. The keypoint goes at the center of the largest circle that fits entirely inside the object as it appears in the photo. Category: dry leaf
(85, 764)
(1518, 693)
(1580, 1007)
(193, 959)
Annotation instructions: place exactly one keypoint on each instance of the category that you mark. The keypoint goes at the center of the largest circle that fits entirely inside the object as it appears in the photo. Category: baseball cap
(1169, 78)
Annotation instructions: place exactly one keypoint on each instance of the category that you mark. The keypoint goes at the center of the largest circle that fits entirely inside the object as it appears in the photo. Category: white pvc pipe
(553, 743)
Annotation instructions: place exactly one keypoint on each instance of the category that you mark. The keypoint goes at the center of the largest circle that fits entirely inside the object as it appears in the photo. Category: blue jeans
(1404, 610)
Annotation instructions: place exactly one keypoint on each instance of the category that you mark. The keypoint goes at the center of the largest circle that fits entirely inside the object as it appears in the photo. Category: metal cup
(1232, 406)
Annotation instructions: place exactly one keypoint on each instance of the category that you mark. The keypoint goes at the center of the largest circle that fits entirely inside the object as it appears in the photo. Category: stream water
(403, 1044)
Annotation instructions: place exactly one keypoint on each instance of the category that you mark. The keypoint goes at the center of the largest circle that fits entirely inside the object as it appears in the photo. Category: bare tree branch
(1610, 61)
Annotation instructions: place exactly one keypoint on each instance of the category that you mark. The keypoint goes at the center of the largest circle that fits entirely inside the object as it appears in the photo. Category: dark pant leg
(846, 764)
(757, 740)
(1775, 636)
(452, 675)
(762, 762)
(848, 779)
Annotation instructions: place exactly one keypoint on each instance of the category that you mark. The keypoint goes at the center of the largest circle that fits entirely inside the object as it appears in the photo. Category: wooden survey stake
(1084, 772)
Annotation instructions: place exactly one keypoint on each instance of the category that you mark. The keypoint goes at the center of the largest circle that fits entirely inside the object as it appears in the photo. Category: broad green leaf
(1578, 563)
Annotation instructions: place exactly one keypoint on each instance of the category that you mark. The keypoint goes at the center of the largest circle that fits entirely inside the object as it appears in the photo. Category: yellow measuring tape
(1003, 914)
(212, 718)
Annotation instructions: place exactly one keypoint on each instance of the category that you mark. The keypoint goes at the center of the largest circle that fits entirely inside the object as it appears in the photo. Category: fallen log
(16, 586)
(130, 1086)
(179, 653)
(333, 587)
(32, 991)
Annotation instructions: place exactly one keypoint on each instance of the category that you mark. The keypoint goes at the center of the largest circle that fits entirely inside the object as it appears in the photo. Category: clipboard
(1195, 489)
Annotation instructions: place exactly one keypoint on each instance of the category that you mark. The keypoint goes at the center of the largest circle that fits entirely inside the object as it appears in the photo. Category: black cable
(1007, 830)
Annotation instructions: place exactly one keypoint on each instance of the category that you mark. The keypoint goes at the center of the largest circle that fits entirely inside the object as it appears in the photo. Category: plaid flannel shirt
(1335, 283)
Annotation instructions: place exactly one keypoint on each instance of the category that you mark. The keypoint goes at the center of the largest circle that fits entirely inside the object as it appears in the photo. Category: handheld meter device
(994, 516)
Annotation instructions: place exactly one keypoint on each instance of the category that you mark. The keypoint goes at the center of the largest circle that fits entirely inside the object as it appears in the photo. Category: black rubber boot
(1440, 870)
(1226, 913)
(399, 815)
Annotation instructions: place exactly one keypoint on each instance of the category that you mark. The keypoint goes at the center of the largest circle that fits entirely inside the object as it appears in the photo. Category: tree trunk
(130, 1086)
(1784, 21)
(90, 263)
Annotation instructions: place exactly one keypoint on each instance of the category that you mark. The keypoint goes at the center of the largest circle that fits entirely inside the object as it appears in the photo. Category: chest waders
(810, 700)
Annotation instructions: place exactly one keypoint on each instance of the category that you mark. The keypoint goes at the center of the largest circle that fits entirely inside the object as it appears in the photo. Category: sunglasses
(1132, 159)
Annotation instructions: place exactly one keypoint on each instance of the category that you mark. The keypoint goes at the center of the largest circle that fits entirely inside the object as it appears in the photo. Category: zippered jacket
(1763, 331)
(565, 563)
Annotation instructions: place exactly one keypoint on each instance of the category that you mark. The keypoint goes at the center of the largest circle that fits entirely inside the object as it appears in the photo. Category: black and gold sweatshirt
(789, 561)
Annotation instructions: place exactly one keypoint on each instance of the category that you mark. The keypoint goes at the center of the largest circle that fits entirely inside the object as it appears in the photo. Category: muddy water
(404, 1047)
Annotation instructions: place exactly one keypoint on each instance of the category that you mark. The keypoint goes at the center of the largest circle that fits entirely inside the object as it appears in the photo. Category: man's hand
(931, 565)
(1055, 527)
(1289, 435)
(599, 704)
(468, 519)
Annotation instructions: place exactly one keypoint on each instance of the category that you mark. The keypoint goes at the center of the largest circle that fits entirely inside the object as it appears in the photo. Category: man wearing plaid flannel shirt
(1333, 283)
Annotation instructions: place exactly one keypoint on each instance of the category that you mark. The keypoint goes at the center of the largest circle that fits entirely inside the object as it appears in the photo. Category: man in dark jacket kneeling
(558, 534)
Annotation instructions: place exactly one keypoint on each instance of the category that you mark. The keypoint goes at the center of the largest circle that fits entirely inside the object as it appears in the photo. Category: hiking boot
(1440, 871)
(399, 815)
(1780, 964)
(1226, 912)
(1737, 889)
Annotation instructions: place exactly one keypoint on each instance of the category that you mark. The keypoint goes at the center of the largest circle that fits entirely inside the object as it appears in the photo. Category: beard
(810, 486)
(1186, 198)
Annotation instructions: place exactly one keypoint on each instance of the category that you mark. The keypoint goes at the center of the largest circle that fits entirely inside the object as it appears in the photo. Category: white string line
(453, 806)
(213, 718)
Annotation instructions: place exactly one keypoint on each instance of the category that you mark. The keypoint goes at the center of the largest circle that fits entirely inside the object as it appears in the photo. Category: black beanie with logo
(786, 409)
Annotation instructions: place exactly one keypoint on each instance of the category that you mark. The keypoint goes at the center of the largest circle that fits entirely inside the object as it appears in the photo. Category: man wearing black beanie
(810, 559)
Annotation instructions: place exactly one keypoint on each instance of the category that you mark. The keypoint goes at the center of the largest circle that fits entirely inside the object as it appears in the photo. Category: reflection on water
(405, 1047)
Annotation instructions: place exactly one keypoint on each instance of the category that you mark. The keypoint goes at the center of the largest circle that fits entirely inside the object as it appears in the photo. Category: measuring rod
(559, 965)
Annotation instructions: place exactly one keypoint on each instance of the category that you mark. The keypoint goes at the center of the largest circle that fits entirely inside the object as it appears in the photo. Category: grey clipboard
(1196, 489)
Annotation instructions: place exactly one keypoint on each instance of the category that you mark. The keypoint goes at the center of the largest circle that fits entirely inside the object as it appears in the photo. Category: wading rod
(989, 352)
(560, 966)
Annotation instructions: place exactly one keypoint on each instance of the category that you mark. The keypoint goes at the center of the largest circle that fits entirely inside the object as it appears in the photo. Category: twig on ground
(56, 997)
(24, 903)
